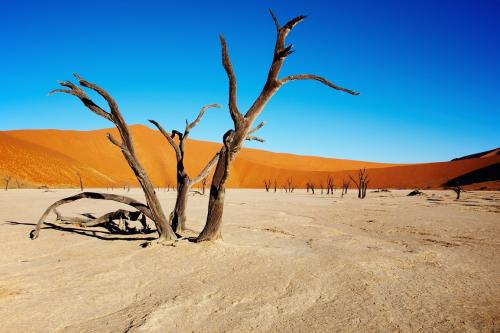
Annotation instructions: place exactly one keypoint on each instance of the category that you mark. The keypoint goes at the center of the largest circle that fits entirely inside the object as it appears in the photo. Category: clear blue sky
(428, 71)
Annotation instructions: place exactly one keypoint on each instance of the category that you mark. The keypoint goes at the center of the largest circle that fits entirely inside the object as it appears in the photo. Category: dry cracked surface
(287, 263)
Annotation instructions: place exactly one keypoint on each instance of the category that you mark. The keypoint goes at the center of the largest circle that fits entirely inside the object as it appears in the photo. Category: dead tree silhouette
(345, 186)
(203, 185)
(458, 190)
(81, 181)
(289, 184)
(310, 186)
(7, 180)
(330, 185)
(362, 183)
(234, 138)
(128, 151)
(267, 184)
(184, 181)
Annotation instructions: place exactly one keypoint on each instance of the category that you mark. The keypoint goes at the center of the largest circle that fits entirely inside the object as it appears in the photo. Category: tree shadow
(99, 234)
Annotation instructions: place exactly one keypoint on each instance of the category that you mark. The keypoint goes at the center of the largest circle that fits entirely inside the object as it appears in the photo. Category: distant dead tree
(267, 184)
(275, 185)
(310, 186)
(154, 209)
(184, 181)
(321, 187)
(203, 185)
(362, 183)
(81, 181)
(330, 185)
(234, 138)
(458, 189)
(290, 185)
(7, 180)
(19, 183)
(345, 186)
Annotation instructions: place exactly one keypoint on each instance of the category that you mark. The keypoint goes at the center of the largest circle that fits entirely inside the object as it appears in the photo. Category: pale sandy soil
(288, 263)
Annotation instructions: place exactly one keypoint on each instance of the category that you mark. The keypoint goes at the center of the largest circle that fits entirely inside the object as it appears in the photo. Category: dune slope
(55, 158)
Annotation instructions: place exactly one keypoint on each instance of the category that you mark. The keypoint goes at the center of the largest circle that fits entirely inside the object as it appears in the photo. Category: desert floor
(287, 263)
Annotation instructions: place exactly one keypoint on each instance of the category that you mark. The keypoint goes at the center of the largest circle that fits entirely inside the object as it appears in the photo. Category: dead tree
(457, 189)
(310, 186)
(7, 180)
(184, 182)
(203, 185)
(81, 181)
(126, 146)
(234, 138)
(19, 183)
(267, 184)
(330, 185)
(361, 183)
(275, 185)
(289, 185)
(321, 186)
(345, 186)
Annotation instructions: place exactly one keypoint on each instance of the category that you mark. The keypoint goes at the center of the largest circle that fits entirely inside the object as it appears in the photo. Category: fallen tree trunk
(91, 195)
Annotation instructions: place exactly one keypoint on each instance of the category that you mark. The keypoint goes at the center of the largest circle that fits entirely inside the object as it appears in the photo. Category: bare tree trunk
(179, 212)
(212, 229)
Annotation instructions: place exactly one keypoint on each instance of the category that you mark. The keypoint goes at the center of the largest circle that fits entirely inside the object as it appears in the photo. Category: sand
(287, 263)
(54, 158)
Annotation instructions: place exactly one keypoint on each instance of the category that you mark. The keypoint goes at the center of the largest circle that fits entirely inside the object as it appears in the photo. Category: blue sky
(428, 71)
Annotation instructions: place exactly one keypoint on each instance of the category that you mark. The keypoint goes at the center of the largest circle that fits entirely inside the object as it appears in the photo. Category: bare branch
(233, 103)
(254, 138)
(78, 92)
(293, 22)
(115, 142)
(256, 128)
(169, 138)
(206, 170)
(280, 53)
(319, 79)
(176, 132)
(200, 115)
(275, 19)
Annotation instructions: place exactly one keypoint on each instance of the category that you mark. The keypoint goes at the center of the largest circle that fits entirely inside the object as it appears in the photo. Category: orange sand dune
(55, 157)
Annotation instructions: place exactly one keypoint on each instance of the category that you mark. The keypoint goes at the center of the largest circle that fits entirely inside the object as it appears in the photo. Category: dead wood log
(96, 196)
(126, 146)
(234, 138)
(184, 181)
